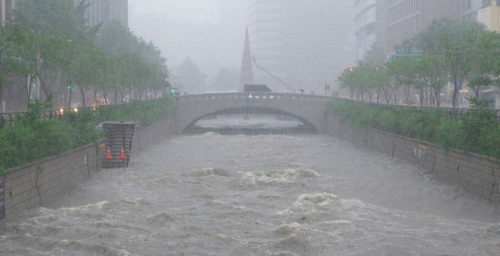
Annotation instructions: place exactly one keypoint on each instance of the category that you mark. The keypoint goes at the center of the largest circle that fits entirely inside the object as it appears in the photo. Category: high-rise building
(300, 44)
(105, 11)
(6, 7)
(369, 25)
(469, 8)
(489, 14)
(407, 18)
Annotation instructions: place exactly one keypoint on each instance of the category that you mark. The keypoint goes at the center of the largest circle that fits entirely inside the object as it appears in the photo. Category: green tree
(455, 42)
(486, 62)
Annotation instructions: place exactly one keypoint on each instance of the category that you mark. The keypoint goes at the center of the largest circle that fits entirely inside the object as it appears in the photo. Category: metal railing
(451, 112)
(49, 114)
(253, 96)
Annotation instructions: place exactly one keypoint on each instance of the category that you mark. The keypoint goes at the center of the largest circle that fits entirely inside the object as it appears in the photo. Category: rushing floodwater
(270, 195)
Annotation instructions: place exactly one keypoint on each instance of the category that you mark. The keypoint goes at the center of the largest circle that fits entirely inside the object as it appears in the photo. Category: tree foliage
(456, 52)
(50, 42)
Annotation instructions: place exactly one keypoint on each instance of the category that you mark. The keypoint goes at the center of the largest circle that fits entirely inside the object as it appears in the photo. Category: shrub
(476, 132)
(30, 138)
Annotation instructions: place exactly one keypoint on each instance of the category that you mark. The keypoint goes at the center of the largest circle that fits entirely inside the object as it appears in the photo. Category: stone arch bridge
(310, 109)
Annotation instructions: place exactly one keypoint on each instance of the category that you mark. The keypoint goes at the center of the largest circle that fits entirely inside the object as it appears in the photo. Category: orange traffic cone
(108, 155)
(122, 154)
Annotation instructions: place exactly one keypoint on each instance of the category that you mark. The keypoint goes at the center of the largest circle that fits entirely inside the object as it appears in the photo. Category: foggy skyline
(209, 32)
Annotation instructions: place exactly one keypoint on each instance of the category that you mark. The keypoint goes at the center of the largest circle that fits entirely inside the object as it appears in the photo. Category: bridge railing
(253, 96)
(452, 112)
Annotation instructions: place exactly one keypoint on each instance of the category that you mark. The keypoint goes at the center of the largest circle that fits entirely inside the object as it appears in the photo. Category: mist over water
(305, 195)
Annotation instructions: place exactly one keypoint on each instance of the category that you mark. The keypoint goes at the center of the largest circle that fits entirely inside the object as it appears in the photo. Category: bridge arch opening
(303, 125)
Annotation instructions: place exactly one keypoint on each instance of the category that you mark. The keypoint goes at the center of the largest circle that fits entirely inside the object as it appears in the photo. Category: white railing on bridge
(253, 96)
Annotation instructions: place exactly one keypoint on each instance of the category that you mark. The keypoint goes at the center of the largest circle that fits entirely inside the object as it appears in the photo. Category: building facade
(105, 11)
(469, 8)
(407, 18)
(300, 44)
(489, 14)
(6, 7)
(369, 25)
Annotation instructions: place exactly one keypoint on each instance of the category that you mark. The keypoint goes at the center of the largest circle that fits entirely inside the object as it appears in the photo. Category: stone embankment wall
(477, 174)
(155, 133)
(38, 183)
(41, 182)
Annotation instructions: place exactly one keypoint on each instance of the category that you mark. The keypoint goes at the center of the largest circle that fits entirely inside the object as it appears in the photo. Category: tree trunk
(455, 93)
(105, 95)
(95, 97)
(44, 87)
(82, 92)
(476, 91)
(28, 90)
(421, 96)
(116, 96)
(437, 95)
(70, 96)
(1, 95)
(407, 94)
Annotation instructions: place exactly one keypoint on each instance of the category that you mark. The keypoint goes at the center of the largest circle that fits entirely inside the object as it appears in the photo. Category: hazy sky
(181, 10)
(209, 32)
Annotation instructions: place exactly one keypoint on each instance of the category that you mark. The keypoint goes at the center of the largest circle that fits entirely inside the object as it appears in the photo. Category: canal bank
(40, 183)
(478, 174)
(304, 195)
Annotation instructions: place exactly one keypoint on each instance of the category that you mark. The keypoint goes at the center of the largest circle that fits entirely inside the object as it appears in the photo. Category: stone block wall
(153, 134)
(38, 183)
(475, 173)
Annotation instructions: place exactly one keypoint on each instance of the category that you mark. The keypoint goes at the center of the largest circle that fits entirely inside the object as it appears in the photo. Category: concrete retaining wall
(39, 183)
(477, 174)
(153, 134)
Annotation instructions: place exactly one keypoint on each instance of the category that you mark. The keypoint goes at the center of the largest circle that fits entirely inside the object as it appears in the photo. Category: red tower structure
(246, 64)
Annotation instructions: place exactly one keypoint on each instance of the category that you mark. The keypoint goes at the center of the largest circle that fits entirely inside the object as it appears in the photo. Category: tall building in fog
(469, 8)
(489, 14)
(105, 11)
(6, 7)
(303, 44)
(369, 25)
(407, 18)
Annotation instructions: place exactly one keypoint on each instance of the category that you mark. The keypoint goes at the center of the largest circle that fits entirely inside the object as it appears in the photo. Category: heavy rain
(249, 127)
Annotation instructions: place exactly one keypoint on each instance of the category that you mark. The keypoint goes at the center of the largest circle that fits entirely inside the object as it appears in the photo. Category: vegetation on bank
(477, 132)
(30, 138)
(463, 53)
(47, 44)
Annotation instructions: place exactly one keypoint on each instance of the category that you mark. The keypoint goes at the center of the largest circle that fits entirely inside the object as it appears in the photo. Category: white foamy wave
(160, 218)
(121, 253)
(211, 172)
(284, 254)
(210, 134)
(310, 204)
(301, 238)
(277, 177)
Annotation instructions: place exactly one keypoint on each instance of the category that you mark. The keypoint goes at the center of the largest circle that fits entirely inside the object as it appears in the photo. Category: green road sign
(409, 51)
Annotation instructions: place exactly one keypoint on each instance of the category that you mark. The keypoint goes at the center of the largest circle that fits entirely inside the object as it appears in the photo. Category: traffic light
(69, 87)
(351, 69)
(173, 91)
